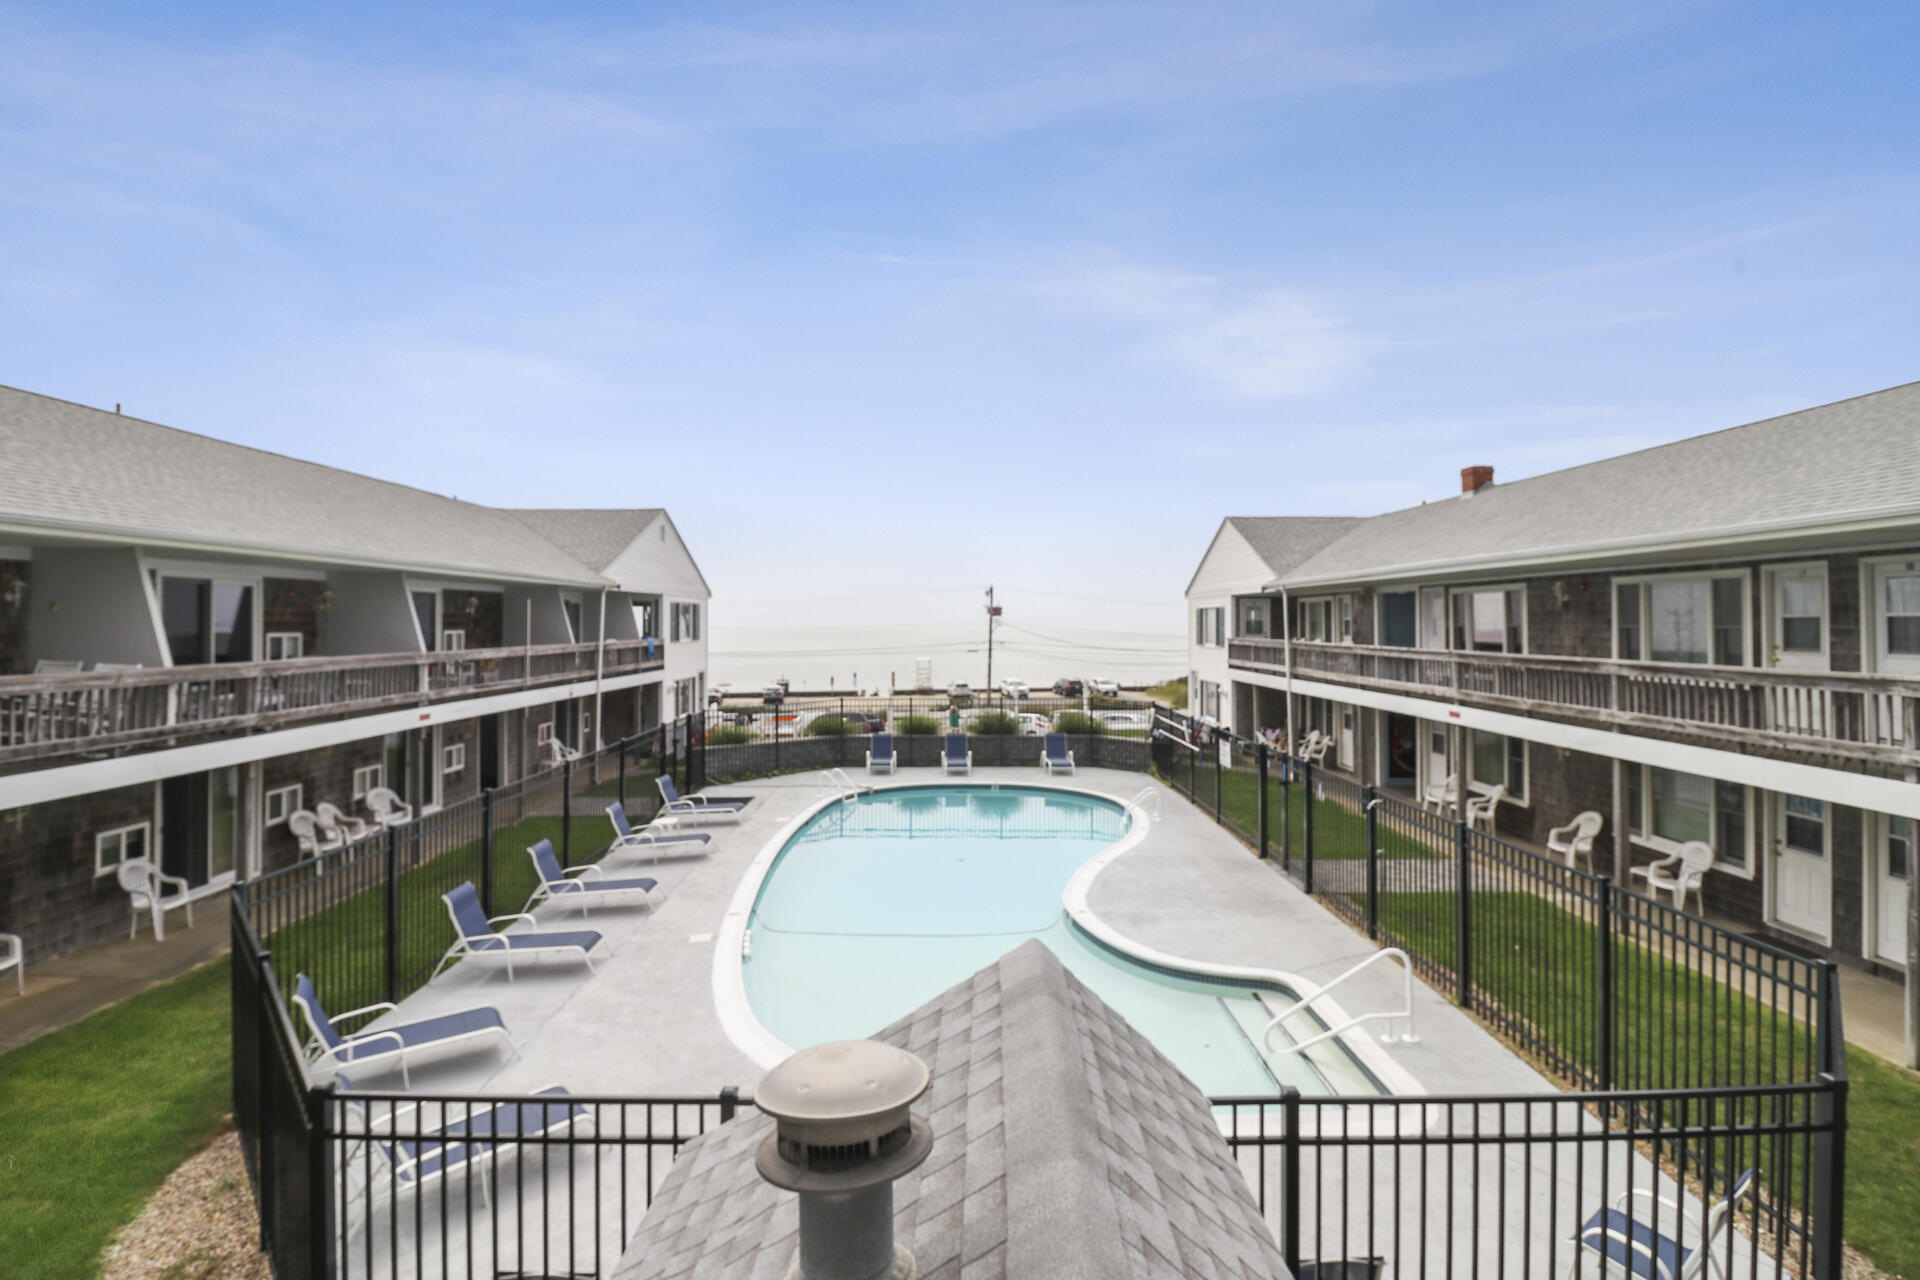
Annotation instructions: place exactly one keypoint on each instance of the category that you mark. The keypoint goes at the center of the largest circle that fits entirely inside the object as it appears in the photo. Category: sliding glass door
(200, 836)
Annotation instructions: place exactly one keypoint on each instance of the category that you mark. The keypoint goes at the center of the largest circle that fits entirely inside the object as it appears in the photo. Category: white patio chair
(1316, 749)
(1680, 873)
(314, 843)
(338, 826)
(1575, 840)
(13, 955)
(387, 808)
(147, 891)
(1441, 795)
(558, 753)
(1482, 806)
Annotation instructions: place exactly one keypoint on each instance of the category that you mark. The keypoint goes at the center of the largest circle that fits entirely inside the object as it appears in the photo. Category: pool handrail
(1408, 1036)
(849, 790)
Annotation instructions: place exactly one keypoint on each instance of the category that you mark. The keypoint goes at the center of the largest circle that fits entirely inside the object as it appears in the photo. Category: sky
(889, 302)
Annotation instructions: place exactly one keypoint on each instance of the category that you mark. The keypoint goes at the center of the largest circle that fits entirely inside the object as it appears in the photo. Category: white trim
(1748, 640)
(1524, 801)
(1748, 868)
(1455, 591)
(367, 777)
(1876, 832)
(1770, 575)
(87, 777)
(290, 795)
(453, 757)
(101, 837)
(1775, 844)
(1858, 790)
(1873, 613)
(298, 645)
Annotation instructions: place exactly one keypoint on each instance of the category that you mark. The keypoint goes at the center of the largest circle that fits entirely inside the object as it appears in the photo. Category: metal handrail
(1406, 1037)
(1147, 800)
(849, 790)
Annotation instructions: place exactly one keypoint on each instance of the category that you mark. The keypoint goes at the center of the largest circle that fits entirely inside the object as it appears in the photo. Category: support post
(1463, 916)
(621, 785)
(1603, 979)
(1306, 798)
(486, 851)
(1371, 799)
(729, 1102)
(1830, 1136)
(1290, 1177)
(1220, 739)
(392, 948)
(1260, 801)
(566, 813)
(320, 1220)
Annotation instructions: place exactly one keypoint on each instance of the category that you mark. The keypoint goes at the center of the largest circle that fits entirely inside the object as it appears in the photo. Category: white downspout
(1286, 649)
(600, 670)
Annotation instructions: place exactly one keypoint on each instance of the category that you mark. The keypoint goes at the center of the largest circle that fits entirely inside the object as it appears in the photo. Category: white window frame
(289, 798)
(453, 757)
(1488, 588)
(1252, 609)
(453, 639)
(543, 733)
(1744, 869)
(367, 777)
(1644, 580)
(290, 644)
(118, 837)
(1873, 614)
(1344, 609)
(1322, 614)
(1520, 799)
(1380, 616)
(1769, 575)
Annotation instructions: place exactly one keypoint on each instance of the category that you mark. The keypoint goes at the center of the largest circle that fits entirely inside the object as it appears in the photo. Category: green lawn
(1339, 832)
(99, 1113)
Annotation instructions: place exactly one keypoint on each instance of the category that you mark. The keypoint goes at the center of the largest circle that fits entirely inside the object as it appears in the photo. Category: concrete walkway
(67, 989)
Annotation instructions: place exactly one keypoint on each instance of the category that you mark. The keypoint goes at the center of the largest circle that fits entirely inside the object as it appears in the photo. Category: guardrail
(1858, 716)
(45, 715)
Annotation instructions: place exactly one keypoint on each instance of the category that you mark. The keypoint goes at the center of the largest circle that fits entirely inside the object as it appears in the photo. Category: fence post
(729, 1102)
(1371, 799)
(1213, 749)
(621, 786)
(566, 813)
(1603, 976)
(320, 1218)
(486, 851)
(1306, 840)
(393, 914)
(1286, 811)
(1829, 1138)
(686, 754)
(1290, 1176)
(1463, 913)
(1260, 803)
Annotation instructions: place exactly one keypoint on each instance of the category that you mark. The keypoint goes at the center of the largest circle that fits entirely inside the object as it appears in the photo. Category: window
(1500, 761)
(1902, 604)
(282, 801)
(1346, 619)
(1899, 847)
(111, 848)
(366, 778)
(1803, 614)
(1806, 825)
(1490, 620)
(1317, 619)
(1667, 807)
(686, 621)
(285, 644)
(1210, 626)
(454, 639)
(543, 732)
(1399, 619)
(1253, 616)
(453, 758)
(1699, 619)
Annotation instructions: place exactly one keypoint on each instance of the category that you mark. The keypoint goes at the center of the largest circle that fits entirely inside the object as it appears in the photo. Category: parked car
(1031, 722)
(960, 693)
(1068, 687)
(1014, 688)
(1124, 721)
(863, 721)
(1108, 687)
(717, 693)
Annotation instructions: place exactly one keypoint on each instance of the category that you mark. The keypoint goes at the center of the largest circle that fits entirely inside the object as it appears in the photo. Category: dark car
(863, 721)
(1068, 687)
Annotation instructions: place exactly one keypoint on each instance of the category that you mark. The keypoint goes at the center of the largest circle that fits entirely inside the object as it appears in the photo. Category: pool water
(877, 905)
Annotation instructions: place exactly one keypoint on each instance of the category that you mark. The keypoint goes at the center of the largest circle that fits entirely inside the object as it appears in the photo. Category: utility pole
(993, 620)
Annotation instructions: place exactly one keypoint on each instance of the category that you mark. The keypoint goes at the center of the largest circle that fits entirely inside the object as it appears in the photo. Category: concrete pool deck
(646, 1023)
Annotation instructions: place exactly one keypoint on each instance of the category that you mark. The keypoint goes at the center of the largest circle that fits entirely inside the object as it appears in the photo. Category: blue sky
(897, 300)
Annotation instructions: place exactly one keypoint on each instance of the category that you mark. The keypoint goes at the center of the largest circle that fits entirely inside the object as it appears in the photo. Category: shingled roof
(68, 466)
(1856, 460)
(593, 537)
(1065, 1146)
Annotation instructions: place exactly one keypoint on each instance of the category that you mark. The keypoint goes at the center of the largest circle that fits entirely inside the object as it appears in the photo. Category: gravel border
(200, 1225)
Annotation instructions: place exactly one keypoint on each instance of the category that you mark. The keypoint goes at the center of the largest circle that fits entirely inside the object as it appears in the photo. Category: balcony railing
(1857, 716)
(46, 715)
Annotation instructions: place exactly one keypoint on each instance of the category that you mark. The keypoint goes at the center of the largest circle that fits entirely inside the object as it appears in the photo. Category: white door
(1346, 737)
(1433, 617)
(1798, 621)
(1893, 881)
(1896, 615)
(1802, 879)
(1436, 754)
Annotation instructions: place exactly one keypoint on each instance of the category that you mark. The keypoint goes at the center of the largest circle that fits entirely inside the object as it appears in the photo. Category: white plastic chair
(313, 841)
(1484, 805)
(13, 955)
(338, 826)
(1441, 796)
(1680, 873)
(1575, 840)
(146, 887)
(559, 753)
(388, 809)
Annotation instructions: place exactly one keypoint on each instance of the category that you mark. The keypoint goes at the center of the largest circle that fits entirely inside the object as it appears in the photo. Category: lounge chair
(685, 807)
(555, 887)
(387, 808)
(955, 756)
(469, 1138)
(475, 935)
(1575, 840)
(1054, 756)
(148, 892)
(333, 822)
(329, 1048)
(13, 955)
(313, 841)
(880, 756)
(1637, 1248)
(1680, 873)
(625, 838)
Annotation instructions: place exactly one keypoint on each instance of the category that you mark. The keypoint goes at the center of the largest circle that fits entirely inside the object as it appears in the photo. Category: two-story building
(199, 640)
(1714, 640)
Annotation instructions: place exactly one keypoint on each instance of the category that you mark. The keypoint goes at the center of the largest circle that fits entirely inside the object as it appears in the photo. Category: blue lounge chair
(1633, 1245)
(880, 756)
(465, 1141)
(475, 935)
(625, 838)
(955, 757)
(555, 887)
(685, 807)
(329, 1047)
(1054, 756)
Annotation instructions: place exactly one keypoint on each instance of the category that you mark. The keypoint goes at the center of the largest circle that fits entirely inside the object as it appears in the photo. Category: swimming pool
(874, 906)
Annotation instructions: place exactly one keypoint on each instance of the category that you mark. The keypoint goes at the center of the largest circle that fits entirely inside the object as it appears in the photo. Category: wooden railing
(48, 715)
(1861, 717)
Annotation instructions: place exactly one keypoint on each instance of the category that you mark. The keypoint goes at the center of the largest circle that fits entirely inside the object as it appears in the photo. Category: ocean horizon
(887, 657)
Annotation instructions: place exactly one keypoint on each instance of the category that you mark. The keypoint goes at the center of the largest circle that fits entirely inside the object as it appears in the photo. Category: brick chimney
(1474, 479)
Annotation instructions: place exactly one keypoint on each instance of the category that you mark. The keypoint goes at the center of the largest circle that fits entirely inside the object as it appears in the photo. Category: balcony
(106, 711)
(1858, 717)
